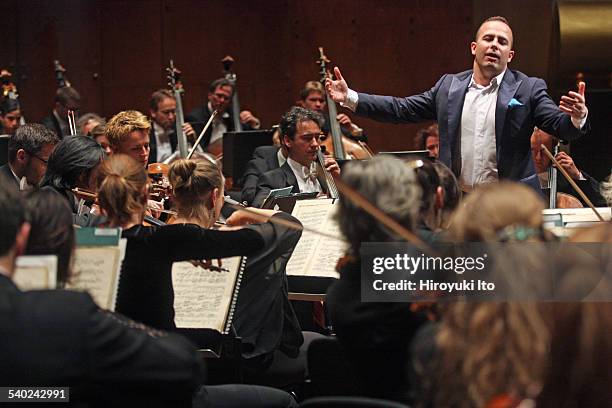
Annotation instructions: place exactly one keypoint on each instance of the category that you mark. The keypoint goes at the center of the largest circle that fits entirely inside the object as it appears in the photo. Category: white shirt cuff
(580, 123)
(351, 100)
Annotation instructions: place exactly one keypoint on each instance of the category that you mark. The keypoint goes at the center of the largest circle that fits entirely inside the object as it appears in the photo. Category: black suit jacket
(153, 144)
(61, 338)
(51, 123)
(7, 175)
(590, 187)
(277, 178)
(265, 158)
(201, 115)
(522, 103)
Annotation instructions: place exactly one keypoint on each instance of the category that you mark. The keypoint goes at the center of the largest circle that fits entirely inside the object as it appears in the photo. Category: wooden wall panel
(66, 30)
(116, 50)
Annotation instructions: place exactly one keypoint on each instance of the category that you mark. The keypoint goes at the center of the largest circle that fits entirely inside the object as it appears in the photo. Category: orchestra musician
(29, 150)
(66, 99)
(74, 164)
(10, 116)
(128, 133)
(587, 184)
(265, 158)
(374, 335)
(429, 139)
(312, 97)
(274, 347)
(219, 98)
(488, 109)
(301, 132)
(163, 141)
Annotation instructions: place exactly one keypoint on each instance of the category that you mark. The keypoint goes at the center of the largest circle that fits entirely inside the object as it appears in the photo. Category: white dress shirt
(218, 126)
(162, 141)
(478, 148)
(281, 157)
(306, 177)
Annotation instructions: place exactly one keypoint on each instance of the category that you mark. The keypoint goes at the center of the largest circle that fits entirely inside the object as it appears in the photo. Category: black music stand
(238, 149)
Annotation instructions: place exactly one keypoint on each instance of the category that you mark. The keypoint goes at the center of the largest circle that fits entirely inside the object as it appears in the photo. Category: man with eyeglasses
(301, 134)
(219, 98)
(66, 99)
(28, 151)
(162, 109)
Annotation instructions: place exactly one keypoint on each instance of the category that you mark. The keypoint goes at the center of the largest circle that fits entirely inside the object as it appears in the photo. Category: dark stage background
(115, 51)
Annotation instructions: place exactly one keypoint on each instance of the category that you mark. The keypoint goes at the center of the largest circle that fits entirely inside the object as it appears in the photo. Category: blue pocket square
(514, 102)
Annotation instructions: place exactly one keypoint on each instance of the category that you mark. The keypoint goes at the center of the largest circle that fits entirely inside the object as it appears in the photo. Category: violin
(340, 146)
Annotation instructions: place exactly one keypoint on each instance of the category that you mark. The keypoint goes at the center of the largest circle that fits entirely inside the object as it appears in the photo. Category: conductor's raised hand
(337, 89)
(574, 103)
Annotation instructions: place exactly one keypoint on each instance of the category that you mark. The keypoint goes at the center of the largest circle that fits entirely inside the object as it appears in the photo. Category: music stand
(286, 203)
(238, 149)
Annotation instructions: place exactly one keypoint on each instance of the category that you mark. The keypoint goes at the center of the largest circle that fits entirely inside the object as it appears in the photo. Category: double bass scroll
(177, 88)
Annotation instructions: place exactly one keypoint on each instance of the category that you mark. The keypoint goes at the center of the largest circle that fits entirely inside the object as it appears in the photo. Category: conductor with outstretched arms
(486, 115)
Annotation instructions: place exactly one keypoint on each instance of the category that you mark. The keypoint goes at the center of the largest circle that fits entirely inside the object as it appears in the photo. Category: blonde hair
(488, 349)
(192, 182)
(124, 123)
(310, 87)
(492, 207)
(122, 184)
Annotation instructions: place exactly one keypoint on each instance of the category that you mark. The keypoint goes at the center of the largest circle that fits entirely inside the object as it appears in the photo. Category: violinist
(301, 133)
(145, 289)
(312, 97)
(587, 184)
(264, 317)
(66, 98)
(219, 98)
(87, 122)
(128, 133)
(28, 153)
(10, 116)
(74, 164)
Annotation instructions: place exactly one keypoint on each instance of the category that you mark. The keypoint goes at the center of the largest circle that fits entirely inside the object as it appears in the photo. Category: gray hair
(606, 190)
(389, 184)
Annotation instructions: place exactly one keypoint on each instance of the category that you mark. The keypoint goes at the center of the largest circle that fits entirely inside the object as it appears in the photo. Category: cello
(340, 146)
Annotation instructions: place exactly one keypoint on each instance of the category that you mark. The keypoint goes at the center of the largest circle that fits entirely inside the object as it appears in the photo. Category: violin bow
(197, 142)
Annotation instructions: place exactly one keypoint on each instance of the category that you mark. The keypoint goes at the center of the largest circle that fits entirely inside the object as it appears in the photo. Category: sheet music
(571, 215)
(96, 270)
(36, 272)
(203, 298)
(316, 255)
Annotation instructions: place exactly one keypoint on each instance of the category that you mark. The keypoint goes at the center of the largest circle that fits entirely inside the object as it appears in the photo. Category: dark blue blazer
(522, 103)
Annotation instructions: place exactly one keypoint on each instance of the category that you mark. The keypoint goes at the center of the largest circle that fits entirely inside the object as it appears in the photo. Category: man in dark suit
(219, 98)
(486, 115)
(162, 140)
(265, 158)
(66, 98)
(28, 152)
(587, 184)
(61, 338)
(301, 132)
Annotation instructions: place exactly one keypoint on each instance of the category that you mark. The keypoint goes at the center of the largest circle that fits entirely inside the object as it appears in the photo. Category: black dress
(145, 286)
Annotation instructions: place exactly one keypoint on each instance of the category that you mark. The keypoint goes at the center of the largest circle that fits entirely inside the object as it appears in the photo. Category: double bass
(340, 146)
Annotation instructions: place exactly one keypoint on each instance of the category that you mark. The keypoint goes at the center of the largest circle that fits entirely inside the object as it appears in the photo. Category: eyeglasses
(312, 135)
(39, 158)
